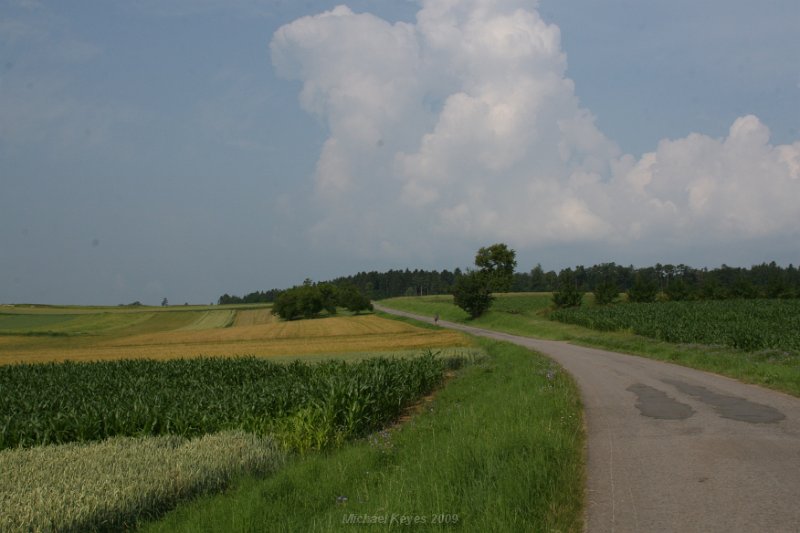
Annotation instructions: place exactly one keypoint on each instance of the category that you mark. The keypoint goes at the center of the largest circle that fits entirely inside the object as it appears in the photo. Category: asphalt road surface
(676, 449)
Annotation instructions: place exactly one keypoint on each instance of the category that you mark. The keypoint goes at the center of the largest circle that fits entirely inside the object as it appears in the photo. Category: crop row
(745, 324)
(304, 406)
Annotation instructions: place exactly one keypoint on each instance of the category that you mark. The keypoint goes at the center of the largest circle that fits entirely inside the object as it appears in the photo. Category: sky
(184, 149)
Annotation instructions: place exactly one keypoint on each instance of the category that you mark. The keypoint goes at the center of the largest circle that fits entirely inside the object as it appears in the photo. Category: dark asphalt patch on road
(731, 407)
(656, 404)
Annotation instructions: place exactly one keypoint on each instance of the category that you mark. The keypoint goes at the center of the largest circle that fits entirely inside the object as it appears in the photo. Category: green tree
(644, 289)
(351, 299)
(567, 294)
(286, 305)
(678, 290)
(329, 296)
(472, 294)
(307, 300)
(497, 263)
(606, 292)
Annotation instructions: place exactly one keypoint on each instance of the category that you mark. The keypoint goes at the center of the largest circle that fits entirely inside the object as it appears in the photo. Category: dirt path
(676, 449)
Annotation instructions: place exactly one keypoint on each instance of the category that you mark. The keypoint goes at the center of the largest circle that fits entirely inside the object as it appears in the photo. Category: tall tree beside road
(473, 291)
(496, 263)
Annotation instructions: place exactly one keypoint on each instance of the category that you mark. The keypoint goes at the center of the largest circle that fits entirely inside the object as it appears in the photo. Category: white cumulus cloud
(464, 128)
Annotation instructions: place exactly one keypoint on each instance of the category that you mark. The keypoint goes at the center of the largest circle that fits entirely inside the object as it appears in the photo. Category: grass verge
(499, 449)
(524, 314)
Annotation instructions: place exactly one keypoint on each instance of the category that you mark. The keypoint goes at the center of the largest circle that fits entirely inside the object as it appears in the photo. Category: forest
(678, 282)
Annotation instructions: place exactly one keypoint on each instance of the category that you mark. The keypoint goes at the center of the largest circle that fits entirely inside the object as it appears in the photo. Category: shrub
(472, 294)
(567, 294)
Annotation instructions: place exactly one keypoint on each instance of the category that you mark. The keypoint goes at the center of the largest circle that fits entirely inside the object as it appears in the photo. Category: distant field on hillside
(43, 333)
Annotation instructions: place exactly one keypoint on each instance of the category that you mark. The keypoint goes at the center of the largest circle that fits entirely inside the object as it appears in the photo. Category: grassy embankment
(527, 314)
(498, 449)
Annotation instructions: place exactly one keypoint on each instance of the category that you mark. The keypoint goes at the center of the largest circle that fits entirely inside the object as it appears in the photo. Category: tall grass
(499, 449)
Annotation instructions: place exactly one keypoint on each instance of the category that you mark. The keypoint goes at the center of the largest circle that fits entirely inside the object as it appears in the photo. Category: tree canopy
(497, 263)
(472, 292)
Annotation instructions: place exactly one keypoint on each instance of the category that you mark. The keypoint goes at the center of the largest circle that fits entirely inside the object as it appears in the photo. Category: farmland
(751, 340)
(110, 427)
(42, 334)
(306, 406)
(744, 324)
(206, 389)
(114, 483)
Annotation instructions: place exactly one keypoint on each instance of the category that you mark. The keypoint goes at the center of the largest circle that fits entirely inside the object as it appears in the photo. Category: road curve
(676, 449)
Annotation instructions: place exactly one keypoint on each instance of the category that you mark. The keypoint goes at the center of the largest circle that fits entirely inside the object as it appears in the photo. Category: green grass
(14, 324)
(771, 368)
(500, 448)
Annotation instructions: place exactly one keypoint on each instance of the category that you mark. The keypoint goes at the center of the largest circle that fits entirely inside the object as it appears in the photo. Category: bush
(567, 294)
(472, 294)
(606, 292)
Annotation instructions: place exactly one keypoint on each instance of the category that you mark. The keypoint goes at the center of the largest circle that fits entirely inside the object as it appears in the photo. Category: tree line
(677, 282)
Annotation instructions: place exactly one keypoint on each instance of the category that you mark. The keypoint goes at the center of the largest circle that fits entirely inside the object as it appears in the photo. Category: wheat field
(89, 334)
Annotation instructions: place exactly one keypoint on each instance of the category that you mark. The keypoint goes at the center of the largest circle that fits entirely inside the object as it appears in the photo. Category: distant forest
(678, 282)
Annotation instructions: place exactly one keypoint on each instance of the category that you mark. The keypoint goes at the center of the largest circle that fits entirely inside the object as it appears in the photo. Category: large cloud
(464, 128)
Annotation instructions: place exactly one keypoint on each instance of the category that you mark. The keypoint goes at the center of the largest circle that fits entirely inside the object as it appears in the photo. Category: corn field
(744, 324)
(303, 406)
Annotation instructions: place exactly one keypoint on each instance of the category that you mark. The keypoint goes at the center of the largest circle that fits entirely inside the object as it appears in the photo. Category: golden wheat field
(87, 334)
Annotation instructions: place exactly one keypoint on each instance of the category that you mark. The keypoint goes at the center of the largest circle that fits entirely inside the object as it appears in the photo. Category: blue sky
(188, 148)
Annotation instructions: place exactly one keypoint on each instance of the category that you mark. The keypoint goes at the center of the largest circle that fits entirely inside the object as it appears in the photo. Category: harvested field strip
(211, 320)
(340, 326)
(157, 322)
(109, 484)
(254, 317)
(260, 348)
(300, 329)
(160, 336)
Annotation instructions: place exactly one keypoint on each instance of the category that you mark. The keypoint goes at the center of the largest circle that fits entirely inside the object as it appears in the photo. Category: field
(96, 440)
(761, 334)
(148, 387)
(42, 334)
(499, 449)
(744, 324)
(77, 402)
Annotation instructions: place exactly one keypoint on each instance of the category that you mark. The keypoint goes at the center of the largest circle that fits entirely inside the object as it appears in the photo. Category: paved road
(676, 449)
